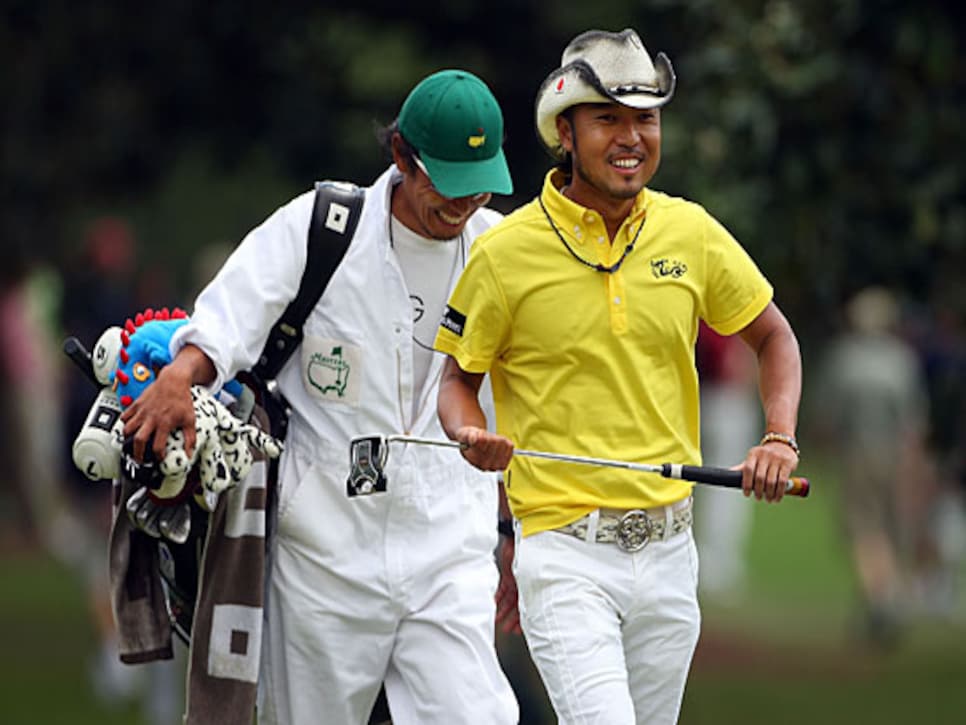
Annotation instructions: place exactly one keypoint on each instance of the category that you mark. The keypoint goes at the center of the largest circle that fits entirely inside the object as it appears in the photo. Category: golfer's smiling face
(616, 150)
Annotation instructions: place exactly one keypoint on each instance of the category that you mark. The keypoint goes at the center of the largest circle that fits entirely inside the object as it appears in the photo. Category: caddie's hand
(507, 603)
(766, 470)
(487, 451)
(164, 406)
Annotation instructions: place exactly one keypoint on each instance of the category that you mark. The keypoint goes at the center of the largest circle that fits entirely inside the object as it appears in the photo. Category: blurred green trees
(826, 134)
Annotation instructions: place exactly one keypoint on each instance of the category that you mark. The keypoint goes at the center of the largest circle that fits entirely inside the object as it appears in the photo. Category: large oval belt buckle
(633, 531)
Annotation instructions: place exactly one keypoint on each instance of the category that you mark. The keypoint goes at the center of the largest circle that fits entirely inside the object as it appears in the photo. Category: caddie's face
(417, 204)
(615, 149)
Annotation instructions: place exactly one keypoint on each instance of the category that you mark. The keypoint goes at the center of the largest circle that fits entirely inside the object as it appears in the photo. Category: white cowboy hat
(602, 67)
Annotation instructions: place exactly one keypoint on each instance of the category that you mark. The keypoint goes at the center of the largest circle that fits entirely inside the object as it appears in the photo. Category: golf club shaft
(75, 350)
(795, 486)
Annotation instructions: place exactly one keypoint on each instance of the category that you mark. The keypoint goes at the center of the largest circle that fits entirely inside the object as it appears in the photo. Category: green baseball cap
(456, 125)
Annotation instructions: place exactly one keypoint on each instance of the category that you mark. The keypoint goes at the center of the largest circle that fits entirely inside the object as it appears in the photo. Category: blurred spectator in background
(730, 425)
(938, 335)
(29, 399)
(873, 416)
(99, 286)
(103, 287)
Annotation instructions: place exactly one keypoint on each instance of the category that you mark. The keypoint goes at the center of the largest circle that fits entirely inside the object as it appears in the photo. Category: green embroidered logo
(329, 373)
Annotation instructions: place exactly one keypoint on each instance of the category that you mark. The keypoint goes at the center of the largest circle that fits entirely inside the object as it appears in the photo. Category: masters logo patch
(331, 370)
(453, 321)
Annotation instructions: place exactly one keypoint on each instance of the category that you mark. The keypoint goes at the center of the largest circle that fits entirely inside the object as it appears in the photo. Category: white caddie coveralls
(397, 585)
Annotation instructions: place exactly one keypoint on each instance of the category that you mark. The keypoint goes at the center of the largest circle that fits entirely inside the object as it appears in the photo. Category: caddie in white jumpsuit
(395, 586)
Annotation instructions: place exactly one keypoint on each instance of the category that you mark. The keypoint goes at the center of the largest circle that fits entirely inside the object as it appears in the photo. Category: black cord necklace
(598, 267)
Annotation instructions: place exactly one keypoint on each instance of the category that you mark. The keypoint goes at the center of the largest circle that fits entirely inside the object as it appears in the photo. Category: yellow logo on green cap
(477, 141)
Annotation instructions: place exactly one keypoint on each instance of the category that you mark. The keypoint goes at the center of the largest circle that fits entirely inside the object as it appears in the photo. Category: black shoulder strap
(334, 217)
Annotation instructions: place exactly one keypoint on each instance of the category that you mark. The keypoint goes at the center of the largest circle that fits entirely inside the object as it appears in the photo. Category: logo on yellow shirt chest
(665, 267)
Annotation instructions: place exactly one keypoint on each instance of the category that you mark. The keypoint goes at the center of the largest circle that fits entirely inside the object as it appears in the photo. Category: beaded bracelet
(781, 438)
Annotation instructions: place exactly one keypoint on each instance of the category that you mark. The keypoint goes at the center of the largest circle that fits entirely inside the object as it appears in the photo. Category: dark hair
(384, 136)
(566, 163)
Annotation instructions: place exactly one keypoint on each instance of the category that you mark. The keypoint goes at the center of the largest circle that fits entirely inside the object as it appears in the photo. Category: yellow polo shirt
(597, 364)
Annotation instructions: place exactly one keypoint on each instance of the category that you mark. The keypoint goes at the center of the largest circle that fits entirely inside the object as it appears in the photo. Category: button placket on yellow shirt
(608, 253)
(594, 236)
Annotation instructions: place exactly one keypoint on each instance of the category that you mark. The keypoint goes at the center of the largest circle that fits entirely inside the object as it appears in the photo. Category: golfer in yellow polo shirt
(583, 306)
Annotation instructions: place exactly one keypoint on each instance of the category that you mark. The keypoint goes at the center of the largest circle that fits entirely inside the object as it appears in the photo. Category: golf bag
(163, 586)
(334, 217)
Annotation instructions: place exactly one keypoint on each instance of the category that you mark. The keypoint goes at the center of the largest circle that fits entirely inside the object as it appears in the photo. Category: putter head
(367, 460)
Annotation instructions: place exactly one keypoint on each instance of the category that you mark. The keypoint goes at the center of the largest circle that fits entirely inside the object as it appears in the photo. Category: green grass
(782, 653)
(47, 642)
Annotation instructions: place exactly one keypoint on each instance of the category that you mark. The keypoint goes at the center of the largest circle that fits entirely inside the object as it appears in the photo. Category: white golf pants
(611, 633)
